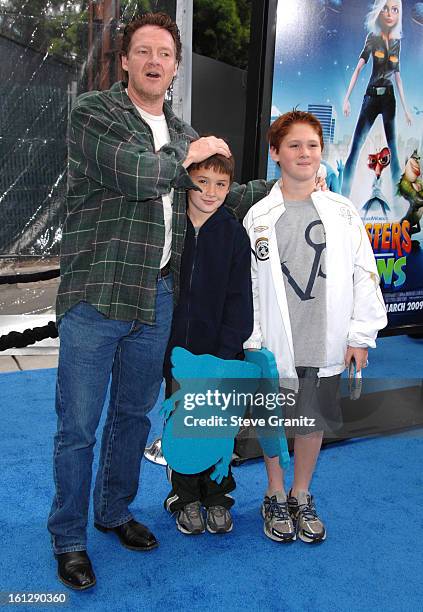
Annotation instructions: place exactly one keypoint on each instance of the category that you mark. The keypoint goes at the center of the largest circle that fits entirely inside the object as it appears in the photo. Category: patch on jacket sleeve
(262, 249)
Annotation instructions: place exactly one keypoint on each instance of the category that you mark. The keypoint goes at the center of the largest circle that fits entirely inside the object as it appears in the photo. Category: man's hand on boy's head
(321, 184)
(205, 147)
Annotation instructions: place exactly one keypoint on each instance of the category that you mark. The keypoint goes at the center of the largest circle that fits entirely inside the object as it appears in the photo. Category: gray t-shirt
(302, 246)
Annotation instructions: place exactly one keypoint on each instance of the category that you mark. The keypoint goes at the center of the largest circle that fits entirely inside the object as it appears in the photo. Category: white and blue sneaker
(278, 524)
(309, 526)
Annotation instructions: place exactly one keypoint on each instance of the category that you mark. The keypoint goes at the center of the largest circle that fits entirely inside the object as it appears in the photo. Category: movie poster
(357, 65)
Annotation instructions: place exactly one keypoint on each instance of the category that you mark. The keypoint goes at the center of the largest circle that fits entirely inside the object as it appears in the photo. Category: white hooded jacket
(354, 303)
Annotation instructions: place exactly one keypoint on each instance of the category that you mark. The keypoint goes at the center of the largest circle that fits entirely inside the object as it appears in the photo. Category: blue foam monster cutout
(272, 439)
(216, 383)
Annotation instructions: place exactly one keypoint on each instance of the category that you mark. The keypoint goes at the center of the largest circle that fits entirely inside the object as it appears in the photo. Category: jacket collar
(119, 96)
(221, 214)
(275, 197)
(273, 204)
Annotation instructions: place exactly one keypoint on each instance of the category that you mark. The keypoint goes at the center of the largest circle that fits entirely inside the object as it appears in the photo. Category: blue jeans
(93, 347)
(372, 107)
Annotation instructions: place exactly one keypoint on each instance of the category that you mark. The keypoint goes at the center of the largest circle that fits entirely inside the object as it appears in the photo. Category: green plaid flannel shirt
(113, 233)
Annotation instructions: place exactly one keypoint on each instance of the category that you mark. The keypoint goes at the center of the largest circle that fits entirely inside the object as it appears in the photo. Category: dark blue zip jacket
(214, 313)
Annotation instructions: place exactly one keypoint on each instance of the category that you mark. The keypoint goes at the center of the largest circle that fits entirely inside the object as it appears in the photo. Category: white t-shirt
(161, 137)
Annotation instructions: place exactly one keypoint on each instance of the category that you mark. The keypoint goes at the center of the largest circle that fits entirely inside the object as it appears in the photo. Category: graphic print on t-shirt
(301, 243)
(316, 268)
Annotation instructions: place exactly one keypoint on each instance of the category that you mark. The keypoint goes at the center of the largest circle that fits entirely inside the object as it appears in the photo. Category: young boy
(317, 305)
(214, 315)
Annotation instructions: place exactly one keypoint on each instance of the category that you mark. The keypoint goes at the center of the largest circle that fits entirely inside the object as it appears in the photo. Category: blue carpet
(369, 493)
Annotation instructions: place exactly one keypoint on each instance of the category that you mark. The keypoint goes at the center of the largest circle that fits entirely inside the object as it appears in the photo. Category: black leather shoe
(132, 535)
(75, 571)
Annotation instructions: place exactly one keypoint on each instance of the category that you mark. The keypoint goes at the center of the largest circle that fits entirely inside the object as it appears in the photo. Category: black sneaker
(309, 526)
(190, 520)
(278, 524)
(219, 520)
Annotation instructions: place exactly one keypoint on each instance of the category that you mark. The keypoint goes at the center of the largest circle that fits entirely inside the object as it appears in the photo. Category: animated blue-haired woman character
(384, 24)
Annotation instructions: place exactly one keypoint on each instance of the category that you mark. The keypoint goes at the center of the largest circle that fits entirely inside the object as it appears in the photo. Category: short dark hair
(218, 163)
(161, 20)
(280, 127)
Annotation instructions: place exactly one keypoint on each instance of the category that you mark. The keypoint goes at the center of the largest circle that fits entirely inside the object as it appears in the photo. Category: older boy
(317, 305)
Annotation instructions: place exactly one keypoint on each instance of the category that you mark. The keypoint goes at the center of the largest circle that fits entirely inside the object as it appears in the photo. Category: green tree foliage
(56, 26)
(221, 30)
(61, 26)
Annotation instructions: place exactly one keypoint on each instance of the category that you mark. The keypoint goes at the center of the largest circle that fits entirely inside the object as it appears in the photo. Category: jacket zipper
(190, 285)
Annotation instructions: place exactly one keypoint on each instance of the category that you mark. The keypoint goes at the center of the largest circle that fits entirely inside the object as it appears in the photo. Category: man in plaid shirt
(122, 241)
